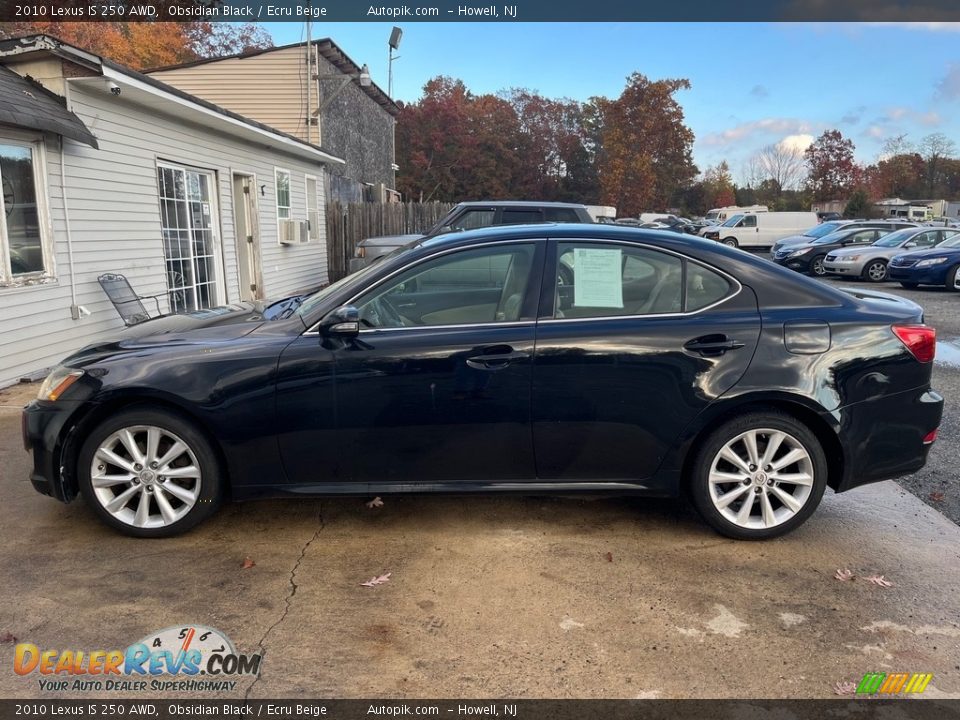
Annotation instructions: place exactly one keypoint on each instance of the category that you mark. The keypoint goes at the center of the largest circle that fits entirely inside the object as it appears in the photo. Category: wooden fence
(349, 223)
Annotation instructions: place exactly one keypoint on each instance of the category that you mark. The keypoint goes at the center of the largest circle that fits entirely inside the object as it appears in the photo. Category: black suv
(470, 216)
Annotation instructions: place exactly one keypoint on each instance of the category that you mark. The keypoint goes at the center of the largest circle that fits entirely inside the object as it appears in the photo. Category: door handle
(712, 345)
(495, 362)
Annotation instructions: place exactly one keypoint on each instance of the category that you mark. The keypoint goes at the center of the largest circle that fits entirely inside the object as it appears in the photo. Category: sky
(753, 84)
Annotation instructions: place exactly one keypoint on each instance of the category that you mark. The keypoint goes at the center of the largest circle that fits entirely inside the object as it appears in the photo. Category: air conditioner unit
(294, 232)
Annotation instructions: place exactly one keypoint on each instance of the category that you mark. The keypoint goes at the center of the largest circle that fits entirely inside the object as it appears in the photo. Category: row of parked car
(876, 251)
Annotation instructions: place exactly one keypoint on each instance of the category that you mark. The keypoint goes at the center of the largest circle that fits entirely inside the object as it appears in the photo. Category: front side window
(283, 194)
(22, 233)
(749, 221)
(599, 280)
(486, 285)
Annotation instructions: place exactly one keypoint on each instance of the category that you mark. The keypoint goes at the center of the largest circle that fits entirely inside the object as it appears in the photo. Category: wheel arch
(79, 430)
(798, 409)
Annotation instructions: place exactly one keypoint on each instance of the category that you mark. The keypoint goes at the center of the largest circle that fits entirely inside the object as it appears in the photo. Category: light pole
(394, 43)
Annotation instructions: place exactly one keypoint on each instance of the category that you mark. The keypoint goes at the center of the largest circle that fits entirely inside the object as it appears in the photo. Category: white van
(760, 230)
(723, 214)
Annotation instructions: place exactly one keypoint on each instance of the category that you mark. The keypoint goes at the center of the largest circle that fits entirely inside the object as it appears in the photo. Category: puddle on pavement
(948, 353)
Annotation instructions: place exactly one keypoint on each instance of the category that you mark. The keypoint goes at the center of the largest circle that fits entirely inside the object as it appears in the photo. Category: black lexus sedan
(525, 359)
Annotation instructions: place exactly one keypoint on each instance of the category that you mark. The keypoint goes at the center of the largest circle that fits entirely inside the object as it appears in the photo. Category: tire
(156, 505)
(767, 516)
(875, 271)
(731, 242)
(909, 285)
(953, 278)
(816, 266)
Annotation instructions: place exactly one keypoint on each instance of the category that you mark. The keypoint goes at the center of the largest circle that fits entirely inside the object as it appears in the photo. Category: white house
(106, 170)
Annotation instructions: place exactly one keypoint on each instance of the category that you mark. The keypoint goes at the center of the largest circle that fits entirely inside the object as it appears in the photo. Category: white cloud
(747, 130)
(797, 142)
(922, 26)
(949, 86)
(874, 131)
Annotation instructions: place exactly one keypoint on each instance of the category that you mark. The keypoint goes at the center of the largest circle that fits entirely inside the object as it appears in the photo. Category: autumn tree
(831, 165)
(718, 188)
(143, 45)
(646, 146)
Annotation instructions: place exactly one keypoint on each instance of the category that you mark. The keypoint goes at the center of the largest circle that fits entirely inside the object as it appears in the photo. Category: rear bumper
(884, 438)
(45, 428)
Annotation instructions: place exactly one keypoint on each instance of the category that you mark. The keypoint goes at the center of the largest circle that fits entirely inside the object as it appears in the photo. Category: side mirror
(344, 320)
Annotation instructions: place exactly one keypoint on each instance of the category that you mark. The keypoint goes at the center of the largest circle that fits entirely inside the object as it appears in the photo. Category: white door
(191, 245)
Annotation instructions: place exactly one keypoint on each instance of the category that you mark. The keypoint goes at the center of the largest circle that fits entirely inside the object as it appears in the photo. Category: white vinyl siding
(115, 222)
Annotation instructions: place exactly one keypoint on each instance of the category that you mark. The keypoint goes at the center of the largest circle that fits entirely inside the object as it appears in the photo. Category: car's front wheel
(953, 278)
(875, 271)
(816, 266)
(758, 476)
(149, 473)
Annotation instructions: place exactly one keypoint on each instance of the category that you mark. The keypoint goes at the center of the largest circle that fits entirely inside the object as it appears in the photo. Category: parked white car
(760, 230)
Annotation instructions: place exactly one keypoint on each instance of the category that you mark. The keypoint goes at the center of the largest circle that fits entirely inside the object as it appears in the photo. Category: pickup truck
(472, 215)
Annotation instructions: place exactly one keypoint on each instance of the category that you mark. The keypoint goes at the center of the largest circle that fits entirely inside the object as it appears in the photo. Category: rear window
(561, 215)
(521, 217)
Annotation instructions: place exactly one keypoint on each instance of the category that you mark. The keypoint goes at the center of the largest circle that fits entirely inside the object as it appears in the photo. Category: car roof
(519, 203)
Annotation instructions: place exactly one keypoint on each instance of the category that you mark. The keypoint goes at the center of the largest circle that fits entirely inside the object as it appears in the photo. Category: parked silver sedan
(870, 262)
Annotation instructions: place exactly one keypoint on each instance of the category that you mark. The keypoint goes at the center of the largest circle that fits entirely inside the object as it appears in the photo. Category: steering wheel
(380, 312)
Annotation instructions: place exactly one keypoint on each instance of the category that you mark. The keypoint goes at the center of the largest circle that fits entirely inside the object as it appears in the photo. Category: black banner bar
(840, 709)
(480, 11)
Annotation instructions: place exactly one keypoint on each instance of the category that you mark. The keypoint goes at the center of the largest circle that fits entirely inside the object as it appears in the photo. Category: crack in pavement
(288, 601)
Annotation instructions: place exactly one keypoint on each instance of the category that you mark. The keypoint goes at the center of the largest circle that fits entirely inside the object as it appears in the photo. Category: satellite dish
(395, 36)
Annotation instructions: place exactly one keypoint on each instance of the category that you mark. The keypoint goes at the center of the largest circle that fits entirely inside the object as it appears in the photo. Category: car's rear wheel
(149, 473)
(758, 476)
(953, 278)
(816, 266)
(875, 271)
(910, 285)
(731, 242)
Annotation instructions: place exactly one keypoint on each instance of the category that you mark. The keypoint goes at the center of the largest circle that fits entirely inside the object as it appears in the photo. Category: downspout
(75, 311)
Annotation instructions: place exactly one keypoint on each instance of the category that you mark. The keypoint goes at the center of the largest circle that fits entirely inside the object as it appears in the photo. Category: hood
(931, 252)
(793, 240)
(390, 240)
(861, 250)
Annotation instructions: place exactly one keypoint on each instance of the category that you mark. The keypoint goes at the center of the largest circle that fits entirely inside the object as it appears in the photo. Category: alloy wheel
(816, 267)
(761, 478)
(145, 476)
(876, 271)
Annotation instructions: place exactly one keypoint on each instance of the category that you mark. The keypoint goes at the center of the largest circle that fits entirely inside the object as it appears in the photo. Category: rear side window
(561, 215)
(472, 219)
(600, 280)
(521, 216)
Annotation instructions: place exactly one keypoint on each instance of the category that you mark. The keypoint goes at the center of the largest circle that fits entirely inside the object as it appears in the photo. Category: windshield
(321, 296)
(895, 238)
(731, 221)
(822, 229)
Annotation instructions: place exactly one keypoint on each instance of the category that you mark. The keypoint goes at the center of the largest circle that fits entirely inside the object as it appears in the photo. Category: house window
(24, 240)
(283, 194)
(313, 214)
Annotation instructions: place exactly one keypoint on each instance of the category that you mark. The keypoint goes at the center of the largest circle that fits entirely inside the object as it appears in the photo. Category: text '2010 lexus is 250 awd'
(527, 359)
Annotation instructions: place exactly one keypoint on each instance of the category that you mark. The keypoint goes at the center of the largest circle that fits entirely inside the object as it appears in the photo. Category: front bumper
(849, 269)
(45, 429)
(935, 275)
(800, 263)
(884, 438)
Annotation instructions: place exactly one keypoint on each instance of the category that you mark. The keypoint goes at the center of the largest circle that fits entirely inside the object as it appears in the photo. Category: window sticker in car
(597, 281)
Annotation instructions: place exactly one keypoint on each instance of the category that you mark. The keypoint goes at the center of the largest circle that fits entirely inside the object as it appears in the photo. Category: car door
(631, 346)
(436, 386)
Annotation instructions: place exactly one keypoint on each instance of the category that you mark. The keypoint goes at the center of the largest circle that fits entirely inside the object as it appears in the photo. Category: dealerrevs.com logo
(178, 659)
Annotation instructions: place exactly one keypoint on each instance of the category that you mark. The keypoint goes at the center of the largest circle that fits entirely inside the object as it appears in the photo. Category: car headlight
(848, 258)
(931, 261)
(57, 382)
(795, 253)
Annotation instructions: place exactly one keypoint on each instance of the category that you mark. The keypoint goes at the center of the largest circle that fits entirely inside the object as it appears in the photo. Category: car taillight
(361, 251)
(930, 437)
(920, 340)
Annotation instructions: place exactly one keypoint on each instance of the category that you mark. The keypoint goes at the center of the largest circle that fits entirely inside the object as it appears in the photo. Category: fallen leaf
(375, 503)
(248, 563)
(379, 580)
(879, 580)
(609, 557)
(936, 496)
(844, 574)
(8, 638)
(844, 688)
